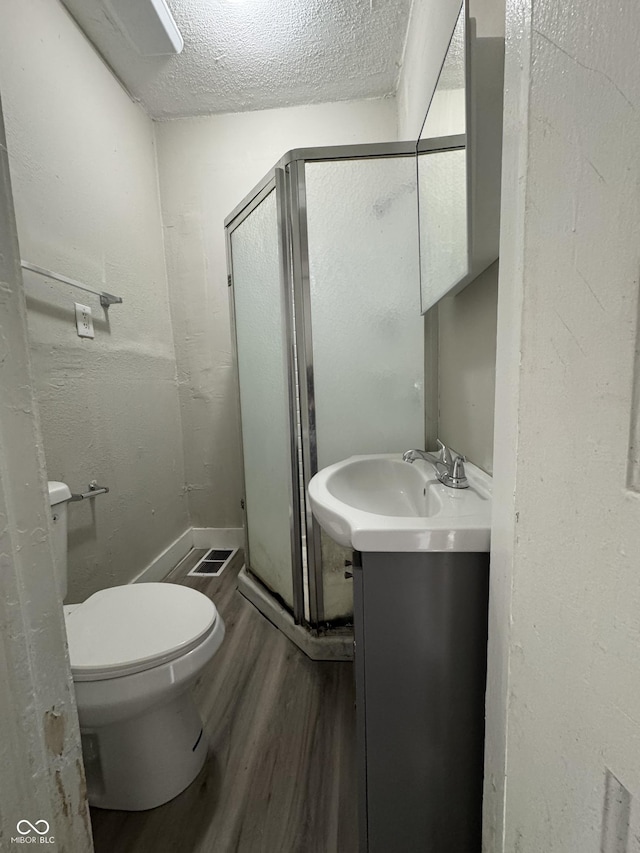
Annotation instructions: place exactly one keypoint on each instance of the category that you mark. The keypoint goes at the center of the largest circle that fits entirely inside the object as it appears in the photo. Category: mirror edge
(420, 149)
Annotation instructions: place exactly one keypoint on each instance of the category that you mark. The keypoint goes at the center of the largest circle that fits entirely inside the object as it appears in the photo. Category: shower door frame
(289, 174)
(275, 182)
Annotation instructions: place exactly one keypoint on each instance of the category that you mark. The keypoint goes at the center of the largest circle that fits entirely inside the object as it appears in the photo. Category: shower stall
(329, 346)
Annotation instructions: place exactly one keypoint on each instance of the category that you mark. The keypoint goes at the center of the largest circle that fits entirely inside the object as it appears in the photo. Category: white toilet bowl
(135, 652)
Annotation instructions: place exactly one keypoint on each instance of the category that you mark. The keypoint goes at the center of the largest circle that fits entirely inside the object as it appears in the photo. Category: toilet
(135, 653)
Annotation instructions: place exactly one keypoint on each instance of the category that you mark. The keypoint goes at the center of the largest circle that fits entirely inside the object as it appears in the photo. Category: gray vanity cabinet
(420, 661)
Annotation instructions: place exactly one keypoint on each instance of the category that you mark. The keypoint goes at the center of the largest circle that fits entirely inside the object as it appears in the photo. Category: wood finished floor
(281, 772)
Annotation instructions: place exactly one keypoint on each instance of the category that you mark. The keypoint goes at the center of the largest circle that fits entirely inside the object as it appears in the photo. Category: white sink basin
(380, 503)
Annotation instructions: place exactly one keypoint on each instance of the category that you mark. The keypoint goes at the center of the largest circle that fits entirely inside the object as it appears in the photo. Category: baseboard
(193, 537)
(160, 567)
(218, 537)
(335, 647)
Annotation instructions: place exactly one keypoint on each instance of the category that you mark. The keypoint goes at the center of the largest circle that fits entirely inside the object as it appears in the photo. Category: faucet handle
(445, 453)
(458, 474)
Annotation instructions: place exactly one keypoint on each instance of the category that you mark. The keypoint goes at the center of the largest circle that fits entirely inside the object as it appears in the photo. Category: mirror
(443, 177)
(446, 114)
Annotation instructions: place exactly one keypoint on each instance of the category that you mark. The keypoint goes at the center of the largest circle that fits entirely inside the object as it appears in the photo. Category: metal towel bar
(94, 491)
(106, 299)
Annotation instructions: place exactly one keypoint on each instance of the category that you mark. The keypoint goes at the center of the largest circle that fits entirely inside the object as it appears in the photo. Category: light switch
(84, 321)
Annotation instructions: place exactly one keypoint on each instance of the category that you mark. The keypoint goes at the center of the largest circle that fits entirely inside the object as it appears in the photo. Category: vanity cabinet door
(421, 632)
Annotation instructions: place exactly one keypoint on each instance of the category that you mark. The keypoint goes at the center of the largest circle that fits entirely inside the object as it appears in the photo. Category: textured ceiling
(258, 54)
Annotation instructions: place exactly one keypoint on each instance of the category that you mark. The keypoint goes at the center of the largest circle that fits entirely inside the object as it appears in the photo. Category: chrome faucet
(449, 468)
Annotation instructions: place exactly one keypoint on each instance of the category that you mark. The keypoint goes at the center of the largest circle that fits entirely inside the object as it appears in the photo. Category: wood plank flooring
(281, 771)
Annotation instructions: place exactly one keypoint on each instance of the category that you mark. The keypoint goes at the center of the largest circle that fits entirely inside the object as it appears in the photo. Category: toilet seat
(133, 628)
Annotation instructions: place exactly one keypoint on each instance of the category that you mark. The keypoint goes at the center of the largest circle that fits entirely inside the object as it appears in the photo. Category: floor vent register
(214, 562)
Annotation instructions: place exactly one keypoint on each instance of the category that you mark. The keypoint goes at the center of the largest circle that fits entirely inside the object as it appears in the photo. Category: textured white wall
(85, 184)
(41, 773)
(467, 368)
(206, 166)
(565, 590)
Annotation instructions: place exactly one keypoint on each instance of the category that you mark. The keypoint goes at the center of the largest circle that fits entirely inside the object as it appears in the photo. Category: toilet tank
(59, 494)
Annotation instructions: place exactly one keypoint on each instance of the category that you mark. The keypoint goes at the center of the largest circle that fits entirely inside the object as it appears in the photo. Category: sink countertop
(379, 503)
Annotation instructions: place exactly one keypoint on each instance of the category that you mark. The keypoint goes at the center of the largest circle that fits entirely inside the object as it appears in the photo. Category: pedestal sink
(420, 576)
(380, 503)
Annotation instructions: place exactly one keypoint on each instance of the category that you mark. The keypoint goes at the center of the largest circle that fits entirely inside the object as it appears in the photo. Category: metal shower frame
(287, 180)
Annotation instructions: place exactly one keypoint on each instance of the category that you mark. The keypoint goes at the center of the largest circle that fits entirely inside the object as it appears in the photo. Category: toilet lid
(131, 628)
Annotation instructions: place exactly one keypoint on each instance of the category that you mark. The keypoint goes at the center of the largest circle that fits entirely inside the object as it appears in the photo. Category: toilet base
(143, 762)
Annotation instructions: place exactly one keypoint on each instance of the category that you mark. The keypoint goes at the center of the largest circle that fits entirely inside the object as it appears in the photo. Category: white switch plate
(84, 321)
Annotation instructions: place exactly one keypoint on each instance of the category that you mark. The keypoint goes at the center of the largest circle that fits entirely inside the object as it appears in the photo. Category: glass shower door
(259, 281)
(364, 330)
(334, 237)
